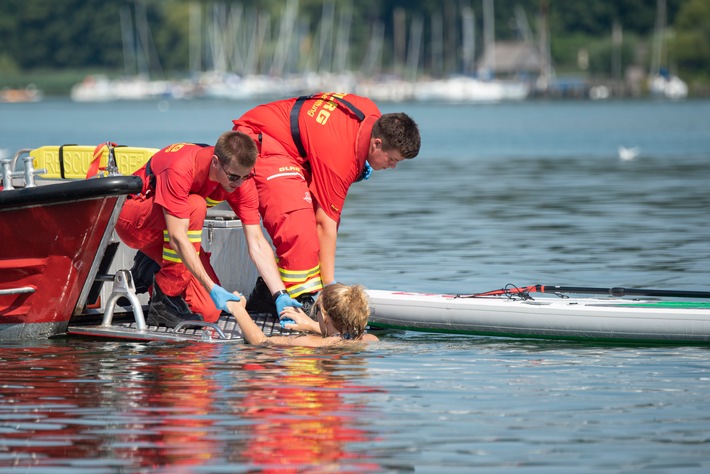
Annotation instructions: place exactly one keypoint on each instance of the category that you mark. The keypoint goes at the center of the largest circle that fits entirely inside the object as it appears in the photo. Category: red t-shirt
(335, 140)
(183, 169)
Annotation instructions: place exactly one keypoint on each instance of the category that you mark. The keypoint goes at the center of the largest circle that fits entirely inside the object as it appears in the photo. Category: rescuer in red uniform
(165, 222)
(311, 149)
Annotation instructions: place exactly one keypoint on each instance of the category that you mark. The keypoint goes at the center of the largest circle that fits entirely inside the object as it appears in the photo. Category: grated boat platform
(130, 323)
(225, 330)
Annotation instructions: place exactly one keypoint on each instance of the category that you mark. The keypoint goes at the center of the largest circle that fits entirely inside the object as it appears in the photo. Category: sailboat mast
(659, 31)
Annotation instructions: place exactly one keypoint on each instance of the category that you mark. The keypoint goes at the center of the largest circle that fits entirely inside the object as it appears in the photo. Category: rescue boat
(64, 271)
(54, 236)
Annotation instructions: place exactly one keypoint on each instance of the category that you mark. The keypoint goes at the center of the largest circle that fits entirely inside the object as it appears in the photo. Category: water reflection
(301, 414)
(38, 406)
(105, 406)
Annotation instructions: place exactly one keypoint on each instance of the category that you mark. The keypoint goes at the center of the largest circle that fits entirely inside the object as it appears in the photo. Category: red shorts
(288, 214)
(141, 225)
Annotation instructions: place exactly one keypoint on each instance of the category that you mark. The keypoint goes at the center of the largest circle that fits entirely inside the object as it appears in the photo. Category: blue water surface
(523, 193)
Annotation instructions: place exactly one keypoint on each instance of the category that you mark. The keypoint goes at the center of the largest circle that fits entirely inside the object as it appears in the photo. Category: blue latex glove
(220, 296)
(281, 302)
(286, 321)
(285, 300)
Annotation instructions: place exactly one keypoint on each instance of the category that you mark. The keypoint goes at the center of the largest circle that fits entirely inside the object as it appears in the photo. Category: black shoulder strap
(296, 110)
(356, 112)
(295, 130)
(61, 159)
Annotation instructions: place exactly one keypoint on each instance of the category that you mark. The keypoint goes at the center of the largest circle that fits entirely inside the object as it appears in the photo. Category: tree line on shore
(169, 38)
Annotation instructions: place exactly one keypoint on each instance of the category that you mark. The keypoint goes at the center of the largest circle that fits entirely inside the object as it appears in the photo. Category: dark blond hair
(236, 146)
(347, 306)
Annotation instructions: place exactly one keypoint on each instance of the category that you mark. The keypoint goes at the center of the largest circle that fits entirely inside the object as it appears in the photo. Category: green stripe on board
(593, 339)
(668, 304)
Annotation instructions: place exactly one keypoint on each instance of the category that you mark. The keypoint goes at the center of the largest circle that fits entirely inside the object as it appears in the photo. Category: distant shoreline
(58, 83)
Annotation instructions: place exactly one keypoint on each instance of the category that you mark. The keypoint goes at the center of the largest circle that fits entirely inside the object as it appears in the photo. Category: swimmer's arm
(251, 332)
(254, 335)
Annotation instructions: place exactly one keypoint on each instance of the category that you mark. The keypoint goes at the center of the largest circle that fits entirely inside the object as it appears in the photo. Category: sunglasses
(235, 177)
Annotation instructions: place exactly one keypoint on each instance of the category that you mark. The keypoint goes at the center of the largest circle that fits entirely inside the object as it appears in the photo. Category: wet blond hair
(347, 306)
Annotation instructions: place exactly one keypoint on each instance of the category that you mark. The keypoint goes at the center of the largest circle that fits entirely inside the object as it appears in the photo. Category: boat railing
(17, 291)
(10, 172)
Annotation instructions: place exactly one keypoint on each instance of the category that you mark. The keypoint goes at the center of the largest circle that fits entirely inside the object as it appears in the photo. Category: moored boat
(638, 316)
(26, 94)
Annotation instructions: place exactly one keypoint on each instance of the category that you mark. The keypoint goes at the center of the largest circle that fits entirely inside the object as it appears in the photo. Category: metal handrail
(200, 324)
(17, 291)
(123, 286)
(9, 170)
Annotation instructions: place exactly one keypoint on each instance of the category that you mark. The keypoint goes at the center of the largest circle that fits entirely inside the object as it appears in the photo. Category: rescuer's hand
(220, 296)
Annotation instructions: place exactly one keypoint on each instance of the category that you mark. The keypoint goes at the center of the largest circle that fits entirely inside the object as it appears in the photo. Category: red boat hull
(49, 249)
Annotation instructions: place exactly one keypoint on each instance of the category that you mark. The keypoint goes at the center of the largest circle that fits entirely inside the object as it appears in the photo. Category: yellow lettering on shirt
(312, 110)
(285, 169)
(323, 116)
(174, 148)
(329, 105)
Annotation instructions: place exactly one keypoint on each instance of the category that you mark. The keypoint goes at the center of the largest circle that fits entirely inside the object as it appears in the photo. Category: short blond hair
(347, 306)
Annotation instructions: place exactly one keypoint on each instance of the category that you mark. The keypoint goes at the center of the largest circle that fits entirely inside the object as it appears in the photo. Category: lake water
(509, 193)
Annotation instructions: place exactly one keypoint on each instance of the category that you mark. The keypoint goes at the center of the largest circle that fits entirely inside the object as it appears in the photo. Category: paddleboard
(552, 317)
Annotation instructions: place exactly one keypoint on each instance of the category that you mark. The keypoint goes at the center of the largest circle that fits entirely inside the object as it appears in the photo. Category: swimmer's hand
(296, 320)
